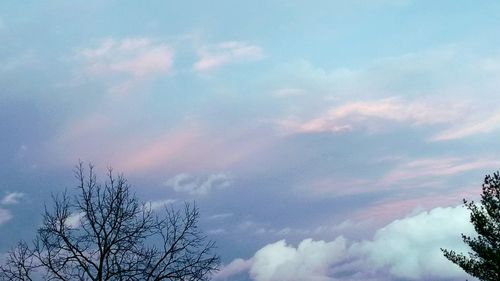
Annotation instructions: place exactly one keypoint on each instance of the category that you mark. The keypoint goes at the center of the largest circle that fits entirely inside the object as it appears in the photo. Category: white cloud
(396, 109)
(410, 247)
(309, 261)
(407, 248)
(137, 57)
(237, 266)
(12, 198)
(199, 185)
(160, 204)
(214, 56)
(5, 216)
(75, 220)
(221, 216)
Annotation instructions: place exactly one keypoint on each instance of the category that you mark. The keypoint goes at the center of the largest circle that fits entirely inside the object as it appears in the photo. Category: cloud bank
(410, 248)
(309, 261)
(407, 249)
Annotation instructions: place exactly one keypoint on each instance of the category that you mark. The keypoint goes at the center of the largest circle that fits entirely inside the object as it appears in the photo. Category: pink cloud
(395, 109)
(105, 139)
(155, 60)
(432, 168)
(374, 114)
(419, 174)
(130, 153)
(168, 148)
(191, 148)
(472, 127)
(214, 56)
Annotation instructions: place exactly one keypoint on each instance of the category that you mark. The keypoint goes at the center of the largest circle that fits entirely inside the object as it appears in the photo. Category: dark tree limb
(117, 238)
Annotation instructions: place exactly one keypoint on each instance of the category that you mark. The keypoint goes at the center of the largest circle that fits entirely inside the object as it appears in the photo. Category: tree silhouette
(483, 261)
(105, 233)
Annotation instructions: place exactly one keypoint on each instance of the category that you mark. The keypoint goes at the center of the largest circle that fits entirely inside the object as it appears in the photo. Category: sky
(321, 140)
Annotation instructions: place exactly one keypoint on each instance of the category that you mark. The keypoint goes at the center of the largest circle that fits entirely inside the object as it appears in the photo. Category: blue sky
(311, 134)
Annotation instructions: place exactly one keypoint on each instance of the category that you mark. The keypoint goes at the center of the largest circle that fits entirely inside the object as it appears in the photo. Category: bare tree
(19, 264)
(105, 233)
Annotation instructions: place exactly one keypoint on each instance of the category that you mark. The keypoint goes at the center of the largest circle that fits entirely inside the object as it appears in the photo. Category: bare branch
(117, 238)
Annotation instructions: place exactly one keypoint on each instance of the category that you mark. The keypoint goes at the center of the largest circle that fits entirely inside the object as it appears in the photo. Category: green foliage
(483, 261)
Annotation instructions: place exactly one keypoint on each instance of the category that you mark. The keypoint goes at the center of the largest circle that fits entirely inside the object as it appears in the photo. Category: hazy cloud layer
(301, 128)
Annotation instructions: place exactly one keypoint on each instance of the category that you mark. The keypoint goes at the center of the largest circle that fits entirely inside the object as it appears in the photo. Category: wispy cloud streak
(214, 56)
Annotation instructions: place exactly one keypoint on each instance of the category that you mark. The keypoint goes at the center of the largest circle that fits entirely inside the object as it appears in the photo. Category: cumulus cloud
(137, 57)
(407, 248)
(214, 56)
(12, 198)
(410, 247)
(237, 266)
(310, 260)
(199, 185)
(5, 216)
